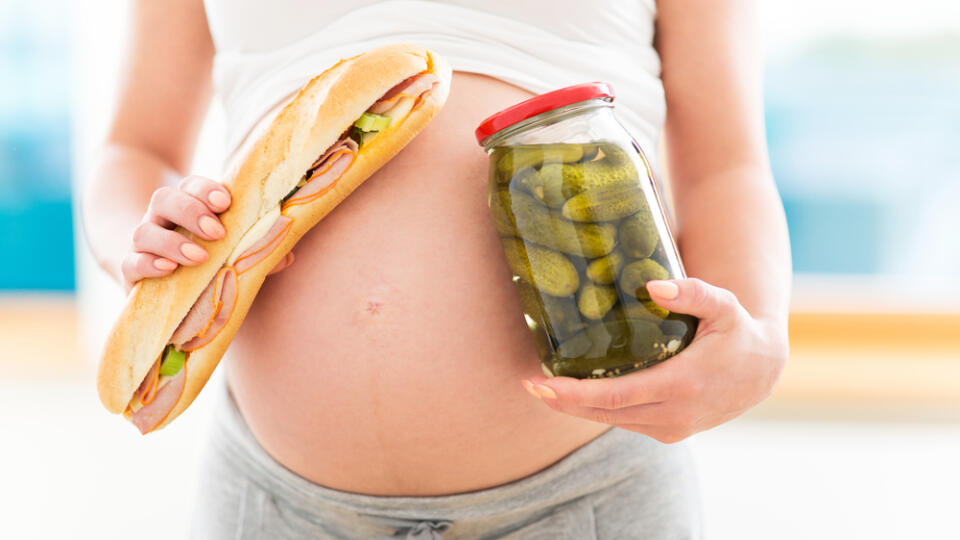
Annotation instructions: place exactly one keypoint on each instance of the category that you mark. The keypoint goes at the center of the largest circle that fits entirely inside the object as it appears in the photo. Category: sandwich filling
(159, 392)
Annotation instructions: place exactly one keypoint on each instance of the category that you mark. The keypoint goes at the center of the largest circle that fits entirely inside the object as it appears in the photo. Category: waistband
(606, 460)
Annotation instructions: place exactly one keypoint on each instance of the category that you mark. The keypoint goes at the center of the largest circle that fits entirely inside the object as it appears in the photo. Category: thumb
(284, 262)
(695, 297)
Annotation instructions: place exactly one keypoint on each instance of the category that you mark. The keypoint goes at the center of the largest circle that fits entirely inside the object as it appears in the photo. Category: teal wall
(36, 232)
(863, 135)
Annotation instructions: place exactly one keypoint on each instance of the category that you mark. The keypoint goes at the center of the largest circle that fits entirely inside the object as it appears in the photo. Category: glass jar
(582, 226)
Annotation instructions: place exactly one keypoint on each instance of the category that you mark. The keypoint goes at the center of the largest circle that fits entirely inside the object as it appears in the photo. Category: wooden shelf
(884, 359)
(39, 335)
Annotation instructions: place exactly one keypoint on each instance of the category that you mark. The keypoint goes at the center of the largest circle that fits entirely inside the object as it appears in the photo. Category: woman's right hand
(157, 248)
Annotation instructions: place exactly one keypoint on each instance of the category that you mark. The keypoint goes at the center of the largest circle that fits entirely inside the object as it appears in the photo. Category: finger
(285, 262)
(153, 239)
(650, 385)
(136, 266)
(174, 207)
(213, 194)
(696, 297)
(650, 413)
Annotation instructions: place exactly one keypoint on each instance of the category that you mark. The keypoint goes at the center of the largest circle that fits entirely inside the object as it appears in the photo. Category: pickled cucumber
(565, 309)
(546, 185)
(518, 214)
(560, 318)
(501, 168)
(594, 301)
(523, 176)
(556, 181)
(590, 151)
(634, 277)
(605, 270)
(646, 306)
(509, 177)
(604, 204)
(638, 234)
(598, 175)
(645, 310)
(592, 343)
(500, 212)
(510, 159)
(612, 154)
(563, 153)
(543, 268)
(660, 255)
(680, 326)
(609, 348)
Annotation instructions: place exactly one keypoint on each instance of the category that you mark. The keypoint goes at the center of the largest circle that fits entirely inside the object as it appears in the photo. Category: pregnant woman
(377, 386)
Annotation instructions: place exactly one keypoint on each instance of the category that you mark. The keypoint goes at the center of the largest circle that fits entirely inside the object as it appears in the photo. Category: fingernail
(545, 391)
(211, 227)
(218, 198)
(193, 252)
(529, 388)
(663, 289)
(164, 265)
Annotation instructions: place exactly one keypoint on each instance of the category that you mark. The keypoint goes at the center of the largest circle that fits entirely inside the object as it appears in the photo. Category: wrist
(775, 334)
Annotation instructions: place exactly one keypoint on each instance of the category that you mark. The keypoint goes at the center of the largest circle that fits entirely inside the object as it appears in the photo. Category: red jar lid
(541, 104)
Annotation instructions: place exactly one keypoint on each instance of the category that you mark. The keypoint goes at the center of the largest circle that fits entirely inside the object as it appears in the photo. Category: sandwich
(341, 127)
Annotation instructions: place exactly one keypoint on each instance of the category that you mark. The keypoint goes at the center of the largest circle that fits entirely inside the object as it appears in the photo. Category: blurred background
(859, 440)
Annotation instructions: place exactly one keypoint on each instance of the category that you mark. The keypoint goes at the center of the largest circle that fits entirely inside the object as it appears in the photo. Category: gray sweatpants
(621, 485)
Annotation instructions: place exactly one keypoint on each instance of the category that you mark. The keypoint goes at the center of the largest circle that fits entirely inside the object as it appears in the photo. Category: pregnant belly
(387, 360)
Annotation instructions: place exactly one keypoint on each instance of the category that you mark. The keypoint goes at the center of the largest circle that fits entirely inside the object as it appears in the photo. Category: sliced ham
(411, 87)
(325, 176)
(399, 87)
(345, 143)
(148, 388)
(199, 317)
(212, 310)
(209, 312)
(224, 297)
(264, 246)
(151, 415)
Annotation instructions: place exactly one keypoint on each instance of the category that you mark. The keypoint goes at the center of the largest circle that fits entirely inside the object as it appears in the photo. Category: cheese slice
(256, 232)
(135, 400)
(400, 110)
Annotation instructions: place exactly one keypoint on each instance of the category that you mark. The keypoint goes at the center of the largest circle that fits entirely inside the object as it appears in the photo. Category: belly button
(373, 306)
(376, 305)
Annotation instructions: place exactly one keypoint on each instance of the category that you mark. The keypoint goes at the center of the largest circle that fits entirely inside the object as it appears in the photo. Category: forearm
(116, 198)
(732, 233)
(164, 90)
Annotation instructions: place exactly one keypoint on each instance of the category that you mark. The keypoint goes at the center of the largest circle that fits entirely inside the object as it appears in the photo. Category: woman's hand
(732, 364)
(157, 248)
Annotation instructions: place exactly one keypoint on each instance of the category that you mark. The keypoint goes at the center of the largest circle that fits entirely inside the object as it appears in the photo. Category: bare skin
(388, 359)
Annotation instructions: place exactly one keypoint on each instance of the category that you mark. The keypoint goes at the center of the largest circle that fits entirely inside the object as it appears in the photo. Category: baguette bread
(270, 169)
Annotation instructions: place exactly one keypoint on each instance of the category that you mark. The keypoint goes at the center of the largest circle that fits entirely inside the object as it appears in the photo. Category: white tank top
(266, 50)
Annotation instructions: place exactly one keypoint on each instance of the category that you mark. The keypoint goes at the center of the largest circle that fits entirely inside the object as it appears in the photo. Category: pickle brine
(582, 240)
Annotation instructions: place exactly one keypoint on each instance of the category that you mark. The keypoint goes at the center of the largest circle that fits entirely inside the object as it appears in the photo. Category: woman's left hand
(283, 264)
(732, 364)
